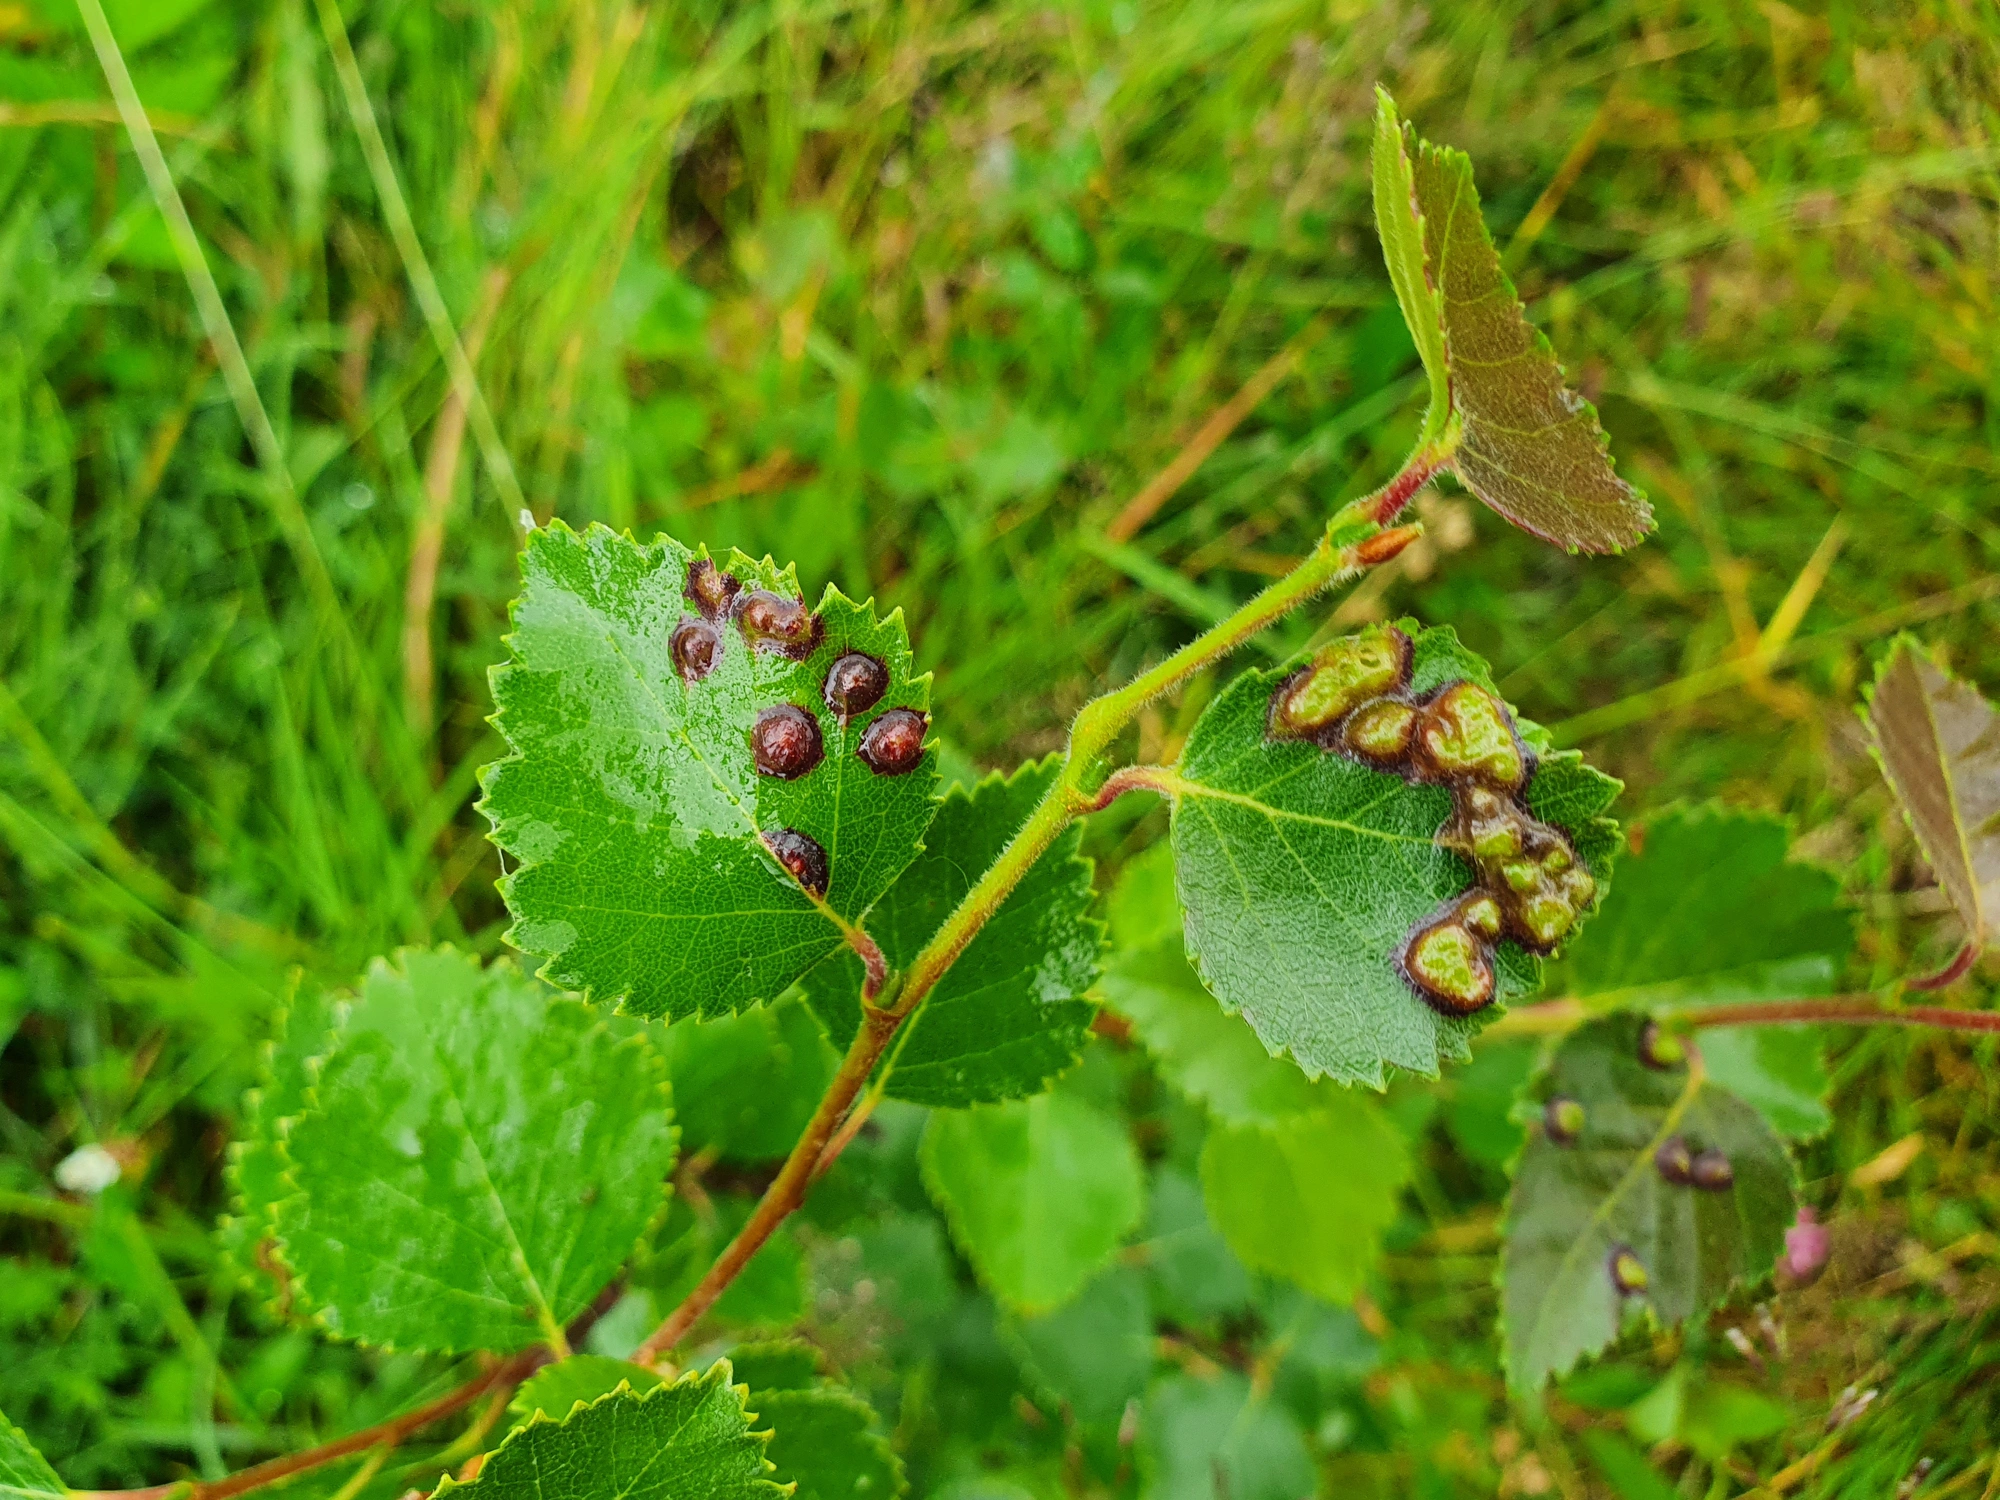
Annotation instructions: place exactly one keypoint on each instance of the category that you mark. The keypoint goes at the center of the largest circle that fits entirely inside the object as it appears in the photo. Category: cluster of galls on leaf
(1353, 698)
(785, 740)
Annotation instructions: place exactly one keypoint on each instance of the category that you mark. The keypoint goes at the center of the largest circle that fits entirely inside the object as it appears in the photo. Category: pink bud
(1807, 1245)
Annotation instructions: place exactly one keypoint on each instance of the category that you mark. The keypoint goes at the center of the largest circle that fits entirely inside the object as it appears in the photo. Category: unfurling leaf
(708, 783)
(1939, 745)
(1672, 931)
(674, 1441)
(24, 1473)
(1525, 443)
(1038, 1193)
(477, 1160)
(1669, 1191)
(1309, 876)
(1009, 1014)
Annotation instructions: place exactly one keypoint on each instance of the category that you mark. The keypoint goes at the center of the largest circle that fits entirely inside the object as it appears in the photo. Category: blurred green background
(921, 296)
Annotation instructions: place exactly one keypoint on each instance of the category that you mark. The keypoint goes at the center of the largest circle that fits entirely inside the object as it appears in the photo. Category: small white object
(88, 1170)
(527, 519)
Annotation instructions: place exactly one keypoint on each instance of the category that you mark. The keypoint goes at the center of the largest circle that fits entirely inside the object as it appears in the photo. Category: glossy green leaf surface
(1302, 872)
(1576, 1206)
(1671, 932)
(477, 1161)
(1938, 743)
(1038, 1193)
(633, 807)
(1308, 1197)
(1527, 445)
(24, 1473)
(689, 1439)
(1010, 1014)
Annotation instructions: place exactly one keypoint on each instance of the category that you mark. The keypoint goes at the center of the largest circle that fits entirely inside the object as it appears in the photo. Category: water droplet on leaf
(1449, 966)
(894, 743)
(854, 684)
(785, 742)
(695, 647)
(1562, 1119)
(1674, 1161)
(802, 856)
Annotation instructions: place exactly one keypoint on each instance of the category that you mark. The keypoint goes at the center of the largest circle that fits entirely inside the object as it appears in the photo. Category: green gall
(1558, 859)
(1562, 1120)
(1343, 675)
(1521, 875)
(1448, 964)
(1467, 732)
(1547, 919)
(1498, 839)
(1481, 913)
(1659, 1048)
(1628, 1275)
(1380, 731)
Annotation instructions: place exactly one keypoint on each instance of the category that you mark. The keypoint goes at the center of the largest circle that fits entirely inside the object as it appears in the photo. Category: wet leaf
(477, 1161)
(1307, 1198)
(1526, 444)
(1938, 743)
(1038, 1193)
(24, 1473)
(690, 1438)
(1303, 872)
(1672, 932)
(1010, 1014)
(1576, 1209)
(656, 864)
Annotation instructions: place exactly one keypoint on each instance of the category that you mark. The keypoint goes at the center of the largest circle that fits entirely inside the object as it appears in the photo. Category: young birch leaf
(1220, 1439)
(695, 823)
(24, 1473)
(1672, 932)
(1038, 1193)
(477, 1161)
(1094, 1354)
(1309, 1197)
(1938, 742)
(1302, 874)
(1399, 223)
(1527, 445)
(1010, 1014)
(691, 1438)
(555, 1390)
(1603, 1220)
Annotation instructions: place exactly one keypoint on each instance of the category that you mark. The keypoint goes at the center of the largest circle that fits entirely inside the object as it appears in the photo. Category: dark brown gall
(1674, 1161)
(696, 647)
(894, 743)
(785, 742)
(771, 622)
(710, 589)
(854, 684)
(804, 859)
(1711, 1170)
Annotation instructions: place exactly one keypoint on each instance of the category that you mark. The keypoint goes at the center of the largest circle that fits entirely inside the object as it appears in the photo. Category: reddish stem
(1951, 973)
(1848, 1010)
(1397, 492)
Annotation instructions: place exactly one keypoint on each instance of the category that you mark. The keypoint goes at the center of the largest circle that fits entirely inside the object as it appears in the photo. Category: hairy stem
(1354, 541)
